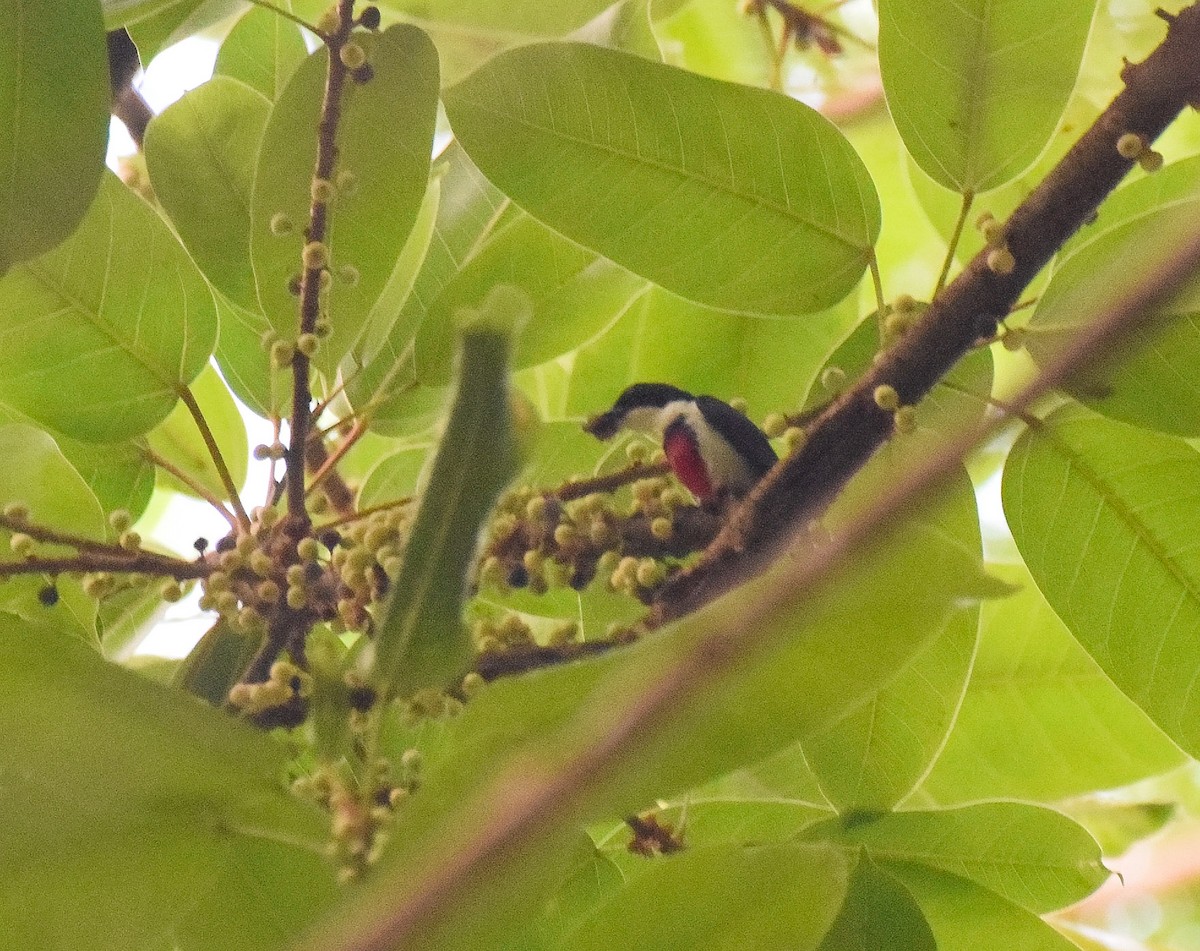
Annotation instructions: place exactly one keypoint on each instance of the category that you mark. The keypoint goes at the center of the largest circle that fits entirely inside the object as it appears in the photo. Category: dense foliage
(467, 682)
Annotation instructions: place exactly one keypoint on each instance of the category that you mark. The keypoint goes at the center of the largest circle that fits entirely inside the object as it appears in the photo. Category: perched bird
(714, 450)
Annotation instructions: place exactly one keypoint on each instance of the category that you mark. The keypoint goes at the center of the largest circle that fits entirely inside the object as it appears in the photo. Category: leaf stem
(172, 469)
(210, 442)
(877, 283)
(968, 198)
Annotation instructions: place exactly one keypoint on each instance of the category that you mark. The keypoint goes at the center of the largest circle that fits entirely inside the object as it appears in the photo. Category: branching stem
(287, 15)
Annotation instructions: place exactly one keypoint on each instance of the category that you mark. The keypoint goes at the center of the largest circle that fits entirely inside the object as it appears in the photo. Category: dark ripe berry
(48, 595)
(369, 18)
(362, 698)
(228, 543)
(364, 74)
(201, 545)
(518, 577)
(330, 539)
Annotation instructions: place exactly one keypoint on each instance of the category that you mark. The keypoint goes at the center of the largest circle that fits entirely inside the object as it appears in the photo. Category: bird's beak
(605, 425)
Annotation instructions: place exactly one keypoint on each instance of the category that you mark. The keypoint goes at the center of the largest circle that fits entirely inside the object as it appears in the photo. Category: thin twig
(214, 451)
(192, 484)
(614, 480)
(129, 562)
(357, 431)
(288, 15)
(363, 513)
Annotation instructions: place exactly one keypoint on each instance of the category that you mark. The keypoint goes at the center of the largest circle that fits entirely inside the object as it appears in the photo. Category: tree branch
(848, 432)
(310, 282)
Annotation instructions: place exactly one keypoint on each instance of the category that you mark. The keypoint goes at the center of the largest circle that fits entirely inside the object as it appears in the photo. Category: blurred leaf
(384, 141)
(54, 99)
(177, 438)
(394, 476)
(117, 473)
(1119, 825)
(591, 879)
(145, 817)
(715, 897)
(1040, 720)
(505, 16)
(873, 757)
(574, 294)
(262, 50)
(1104, 516)
(768, 362)
(1155, 379)
(1034, 857)
(961, 914)
(118, 312)
(201, 152)
(420, 639)
(674, 166)
(975, 89)
(155, 25)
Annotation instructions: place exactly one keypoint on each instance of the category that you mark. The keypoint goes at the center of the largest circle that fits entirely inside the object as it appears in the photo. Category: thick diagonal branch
(849, 431)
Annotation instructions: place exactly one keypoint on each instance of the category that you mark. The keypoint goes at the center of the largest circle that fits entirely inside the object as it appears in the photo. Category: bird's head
(639, 407)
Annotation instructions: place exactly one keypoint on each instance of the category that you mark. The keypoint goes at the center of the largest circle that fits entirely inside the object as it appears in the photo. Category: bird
(714, 450)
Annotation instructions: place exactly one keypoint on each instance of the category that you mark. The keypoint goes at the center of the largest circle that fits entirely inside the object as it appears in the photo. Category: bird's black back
(738, 429)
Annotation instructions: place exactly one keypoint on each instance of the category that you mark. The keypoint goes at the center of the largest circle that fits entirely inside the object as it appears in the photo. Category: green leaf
(384, 141)
(262, 50)
(1034, 857)
(201, 153)
(769, 897)
(155, 25)
(394, 476)
(177, 439)
(216, 663)
(54, 99)
(245, 362)
(701, 820)
(769, 363)
(118, 313)
(505, 16)
(961, 914)
(1040, 720)
(1103, 515)
(36, 474)
(977, 89)
(573, 293)
(704, 187)
(1155, 379)
(872, 758)
(117, 473)
(420, 638)
(468, 206)
(144, 816)
(878, 912)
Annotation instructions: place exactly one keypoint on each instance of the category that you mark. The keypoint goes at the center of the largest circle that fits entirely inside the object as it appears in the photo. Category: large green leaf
(730, 196)
(770, 898)
(129, 808)
(420, 639)
(573, 294)
(1155, 380)
(1033, 857)
(1105, 519)
(961, 914)
(201, 153)
(100, 334)
(1040, 720)
(878, 913)
(262, 50)
(177, 438)
(54, 99)
(384, 142)
(245, 360)
(976, 88)
(770, 363)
